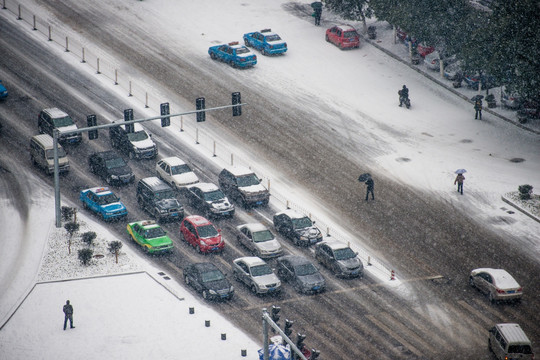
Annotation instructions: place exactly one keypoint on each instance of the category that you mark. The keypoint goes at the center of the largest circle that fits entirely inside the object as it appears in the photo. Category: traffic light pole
(56, 135)
(267, 320)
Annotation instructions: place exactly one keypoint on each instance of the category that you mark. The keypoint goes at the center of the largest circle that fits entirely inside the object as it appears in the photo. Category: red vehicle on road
(343, 36)
(201, 234)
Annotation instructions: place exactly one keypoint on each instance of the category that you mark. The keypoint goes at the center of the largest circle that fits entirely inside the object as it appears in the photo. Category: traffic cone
(392, 275)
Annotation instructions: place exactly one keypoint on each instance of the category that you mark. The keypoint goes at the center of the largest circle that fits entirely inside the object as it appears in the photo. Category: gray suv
(158, 198)
(242, 185)
(54, 118)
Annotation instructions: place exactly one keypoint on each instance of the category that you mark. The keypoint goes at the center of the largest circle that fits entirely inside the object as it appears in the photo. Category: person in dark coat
(68, 311)
(403, 95)
(317, 11)
(478, 108)
(459, 181)
(369, 189)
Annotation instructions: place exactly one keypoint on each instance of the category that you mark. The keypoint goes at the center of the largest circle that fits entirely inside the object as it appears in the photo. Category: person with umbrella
(317, 11)
(478, 107)
(370, 185)
(459, 180)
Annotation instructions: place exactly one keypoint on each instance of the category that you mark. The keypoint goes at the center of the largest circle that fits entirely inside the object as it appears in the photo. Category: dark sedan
(207, 279)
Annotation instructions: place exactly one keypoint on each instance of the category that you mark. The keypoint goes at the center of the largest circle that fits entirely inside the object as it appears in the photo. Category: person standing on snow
(68, 311)
(459, 181)
(478, 108)
(403, 95)
(369, 189)
(317, 11)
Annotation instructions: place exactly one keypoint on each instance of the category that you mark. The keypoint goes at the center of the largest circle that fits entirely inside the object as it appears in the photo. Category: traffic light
(314, 354)
(275, 314)
(91, 120)
(288, 326)
(200, 105)
(128, 116)
(166, 121)
(236, 110)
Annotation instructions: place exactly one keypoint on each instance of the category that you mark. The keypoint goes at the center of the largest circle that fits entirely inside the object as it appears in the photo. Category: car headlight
(261, 286)
(115, 177)
(304, 238)
(162, 211)
(231, 289)
(212, 292)
(203, 243)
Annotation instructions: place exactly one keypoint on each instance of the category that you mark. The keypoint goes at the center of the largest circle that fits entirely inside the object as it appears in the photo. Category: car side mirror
(356, 253)
(219, 230)
(150, 135)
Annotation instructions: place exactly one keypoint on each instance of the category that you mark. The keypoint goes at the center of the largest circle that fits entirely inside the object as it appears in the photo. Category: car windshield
(262, 236)
(302, 223)
(213, 195)
(207, 231)
(180, 169)
(344, 254)
(248, 180)
(166, 194)
(138, 136)
(213, 275)
(115, 163)
(154, 233)
(50, 153)
(261, 270)
(273, 38)
(350, 34)
(305, 269)
(242, 50)
(107, 199)
(63, 121)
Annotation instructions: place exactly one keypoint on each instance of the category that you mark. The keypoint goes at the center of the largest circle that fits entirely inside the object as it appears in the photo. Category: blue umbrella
(461, 171)
(276, 352)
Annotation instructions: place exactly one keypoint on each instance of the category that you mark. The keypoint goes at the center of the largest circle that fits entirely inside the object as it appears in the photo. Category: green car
(150, 236)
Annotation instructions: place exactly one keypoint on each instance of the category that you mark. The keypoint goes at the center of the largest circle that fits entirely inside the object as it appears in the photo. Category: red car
(424, 50)
(202, 234)
(344, 36)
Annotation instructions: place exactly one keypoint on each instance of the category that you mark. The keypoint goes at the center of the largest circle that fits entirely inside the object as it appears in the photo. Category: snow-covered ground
(420, 147)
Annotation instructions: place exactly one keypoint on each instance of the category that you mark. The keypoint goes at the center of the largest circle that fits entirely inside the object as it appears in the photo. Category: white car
(498, 284)
(176, 172)
(257, 274)
(259, 240)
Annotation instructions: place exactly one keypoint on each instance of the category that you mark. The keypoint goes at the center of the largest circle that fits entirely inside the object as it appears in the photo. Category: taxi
(233, 54)
(150, 236)
(103, 202)
(266, 41)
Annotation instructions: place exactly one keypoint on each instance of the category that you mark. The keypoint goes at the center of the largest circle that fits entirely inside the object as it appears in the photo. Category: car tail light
(519, 290)
(501, 291)
(242, 59)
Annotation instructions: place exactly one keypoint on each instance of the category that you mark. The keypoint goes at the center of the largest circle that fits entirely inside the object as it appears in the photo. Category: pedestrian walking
(478, 108)
(459, 182)
(369, 189)
(317, 11)
(68, 311)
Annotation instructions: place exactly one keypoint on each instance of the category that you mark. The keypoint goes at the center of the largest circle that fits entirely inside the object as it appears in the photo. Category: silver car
(176, 172)
(259, 240)
(339, 258)
(498, 284)
(257, 274)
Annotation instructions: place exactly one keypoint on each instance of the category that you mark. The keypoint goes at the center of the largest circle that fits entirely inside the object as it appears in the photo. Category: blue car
(233, 54)
(266, 41)
(3, 91)
(104, 203)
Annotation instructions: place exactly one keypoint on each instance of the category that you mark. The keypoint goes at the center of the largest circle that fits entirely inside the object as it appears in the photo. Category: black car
(137, 144)
(297, 227)
(111, 167)
(300, 273)
(209, 199)
(159, 199)
(209, 280)
(339, 258)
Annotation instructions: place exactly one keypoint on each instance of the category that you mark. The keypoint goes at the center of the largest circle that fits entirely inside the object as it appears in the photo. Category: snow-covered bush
(85, 255)
(525, 192)
(88, 237)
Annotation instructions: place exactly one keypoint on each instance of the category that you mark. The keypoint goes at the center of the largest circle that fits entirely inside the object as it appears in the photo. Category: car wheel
(85, 205)
(489, 346)
(327, 39)
(296, 242)
(263, 51)
(140, 202)
(471, 282)
(246, 43)
(205, 295)
(131, 155)
(213, 56)
(186, 280)
(491, 298)
(108, 180)
(232, 63)
(254, 289)
(199, 249)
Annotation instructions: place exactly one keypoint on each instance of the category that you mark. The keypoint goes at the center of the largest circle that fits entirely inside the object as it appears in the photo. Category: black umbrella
(316, 5)
(364, 177)
(477, 97)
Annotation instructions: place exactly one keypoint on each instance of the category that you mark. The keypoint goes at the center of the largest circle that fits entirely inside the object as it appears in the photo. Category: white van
(42, 154)
(508, 341)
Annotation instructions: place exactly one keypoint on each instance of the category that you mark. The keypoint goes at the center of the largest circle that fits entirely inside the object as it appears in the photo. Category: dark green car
(150, 236)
